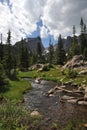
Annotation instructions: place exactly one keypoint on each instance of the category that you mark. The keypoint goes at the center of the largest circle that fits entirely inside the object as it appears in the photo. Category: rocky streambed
(55, 104)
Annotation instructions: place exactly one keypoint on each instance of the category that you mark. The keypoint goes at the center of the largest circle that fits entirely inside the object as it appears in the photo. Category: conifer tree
(1, 50)
(24, 56)
(7, 58)
(74, 49)
(39, 52)
(60, 53)
(83, 39)
(51, 53)
(82, 25)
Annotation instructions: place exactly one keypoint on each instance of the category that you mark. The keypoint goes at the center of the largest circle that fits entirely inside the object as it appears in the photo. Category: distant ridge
(31, 44)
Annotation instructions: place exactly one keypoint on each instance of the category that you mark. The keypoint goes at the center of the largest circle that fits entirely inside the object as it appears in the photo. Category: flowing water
(51, 108)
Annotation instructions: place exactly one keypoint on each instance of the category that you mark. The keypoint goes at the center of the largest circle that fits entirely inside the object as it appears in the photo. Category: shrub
(46, 68)
(16, 117)
(14, 74)
(71, 73)
(3, 79)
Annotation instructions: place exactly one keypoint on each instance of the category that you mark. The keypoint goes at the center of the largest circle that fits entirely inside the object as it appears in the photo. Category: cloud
(58, 16)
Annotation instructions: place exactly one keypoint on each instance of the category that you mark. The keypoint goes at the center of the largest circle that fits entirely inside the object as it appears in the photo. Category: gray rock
(82, 103)
(76, 61)
(35, 113)
(65, 97)
(85, 96)
(83, 72)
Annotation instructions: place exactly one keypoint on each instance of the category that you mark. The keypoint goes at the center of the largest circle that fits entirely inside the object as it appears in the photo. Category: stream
(51, 109)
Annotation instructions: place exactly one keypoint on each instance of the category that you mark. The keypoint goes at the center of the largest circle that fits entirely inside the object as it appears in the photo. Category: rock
(68, 83)
(83, 72)
(35, 113)
(40, 70)
(51, 95)
(76, 61)
(36, 67)
(85, 89)
(58, 88)
(65, 97)
(85, 96)
(51, 91)
(72, 101)
(82, 102)
(85, 125)
(37, 80)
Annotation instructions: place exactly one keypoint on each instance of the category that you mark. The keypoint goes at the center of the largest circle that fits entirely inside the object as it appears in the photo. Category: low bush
(46, 68)
(16, 117)
(3, 79)
(71, 73)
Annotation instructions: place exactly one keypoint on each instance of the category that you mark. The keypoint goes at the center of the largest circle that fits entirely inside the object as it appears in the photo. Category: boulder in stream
(82, 103)
(35, 113)
(85, 96)
(65, 97)
(37, 80)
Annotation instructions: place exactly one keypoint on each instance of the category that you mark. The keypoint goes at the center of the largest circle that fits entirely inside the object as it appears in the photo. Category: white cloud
(57, 15)
(60, 15)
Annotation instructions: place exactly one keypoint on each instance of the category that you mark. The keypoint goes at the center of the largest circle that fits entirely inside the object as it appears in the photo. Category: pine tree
(60, 53)
(83, 39)
(74, 49)
(1, 50)
(82, 25)
(85, 54)
(51, 53)
(7, 58)
(85, 29)
(24, 56)
(39, 52)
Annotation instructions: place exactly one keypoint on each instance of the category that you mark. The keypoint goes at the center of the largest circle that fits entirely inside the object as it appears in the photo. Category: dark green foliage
(33, 59)
(1, 50)
(82, 25)
(74, 125)
(83, 42)
(13, 74)
(12, 116)
(24, 57)
(39, 53)
(8, 61)
(85, 54)
(46, 68)
(15, 117)
(83, 36)
(71, 73)
(75, 47)
(51, 53)
(60, 53)
(39, 49)
(3, 79)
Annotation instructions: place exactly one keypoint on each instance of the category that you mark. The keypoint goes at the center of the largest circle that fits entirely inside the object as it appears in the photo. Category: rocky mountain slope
(31, 44)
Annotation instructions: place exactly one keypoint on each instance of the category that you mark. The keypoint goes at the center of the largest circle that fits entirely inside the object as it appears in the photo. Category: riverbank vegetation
(58, 75)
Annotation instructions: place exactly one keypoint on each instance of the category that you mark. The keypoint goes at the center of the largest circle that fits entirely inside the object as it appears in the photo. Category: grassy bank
(16, 89)
(13, 115)
(58, 75)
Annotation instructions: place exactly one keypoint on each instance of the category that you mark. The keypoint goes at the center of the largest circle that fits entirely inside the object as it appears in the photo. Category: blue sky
(45, 40)
(44, 18)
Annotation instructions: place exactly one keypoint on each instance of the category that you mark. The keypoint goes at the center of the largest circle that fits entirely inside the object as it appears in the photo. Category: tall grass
(17, 89)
